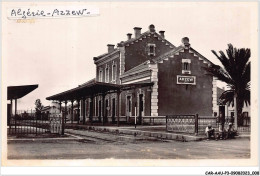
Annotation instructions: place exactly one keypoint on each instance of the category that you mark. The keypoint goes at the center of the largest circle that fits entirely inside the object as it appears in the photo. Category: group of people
(222, 133)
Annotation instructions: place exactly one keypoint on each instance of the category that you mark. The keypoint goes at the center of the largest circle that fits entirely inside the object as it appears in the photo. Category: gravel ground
(92, 145)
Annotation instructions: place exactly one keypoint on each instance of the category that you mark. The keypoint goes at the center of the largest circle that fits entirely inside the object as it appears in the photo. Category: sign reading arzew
(186, 80)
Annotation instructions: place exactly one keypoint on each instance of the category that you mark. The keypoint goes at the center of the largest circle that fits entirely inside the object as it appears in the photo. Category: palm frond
(219, 73)
(246, 77)
(235, 72)
(227, 97)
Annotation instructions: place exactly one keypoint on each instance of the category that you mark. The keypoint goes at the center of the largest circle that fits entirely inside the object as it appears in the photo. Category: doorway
(141, 107)
(106, 110)
(99, 110)
(91, 111)
(128, 107)
(222, 114)
(113, 110)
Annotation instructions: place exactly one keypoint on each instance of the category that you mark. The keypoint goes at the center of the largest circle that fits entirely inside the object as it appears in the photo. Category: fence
(181, 123)
(194, 124)
(33, 124)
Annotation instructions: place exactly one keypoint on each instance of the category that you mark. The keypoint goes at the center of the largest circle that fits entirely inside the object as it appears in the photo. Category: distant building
(54, 108)
(229, 111)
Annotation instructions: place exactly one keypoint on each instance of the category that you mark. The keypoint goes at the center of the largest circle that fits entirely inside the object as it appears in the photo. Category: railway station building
(147, 76)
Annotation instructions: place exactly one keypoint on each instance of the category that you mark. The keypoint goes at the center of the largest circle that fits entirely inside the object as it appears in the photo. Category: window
(245, 114)
(151, 49)
(107, 74)
(100, 75)
(129, 103)
(186, 66)
(113, 72)
(86, 107)
(141, 105)
(128, 106)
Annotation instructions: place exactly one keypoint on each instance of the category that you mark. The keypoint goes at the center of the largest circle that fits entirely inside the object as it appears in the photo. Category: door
(8, 113)
(99, 110)
(91, 111)
(128, 106)
(106, 110)
(141, 108)
(113, 109)
(222, 114)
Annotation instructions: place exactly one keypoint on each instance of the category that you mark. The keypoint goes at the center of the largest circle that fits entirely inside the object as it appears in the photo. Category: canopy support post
(78, 115)
(103, 104)
(84, 109)
(91, 109)
(118, 97)
(60, 106)
(72, 114)
(15, 113)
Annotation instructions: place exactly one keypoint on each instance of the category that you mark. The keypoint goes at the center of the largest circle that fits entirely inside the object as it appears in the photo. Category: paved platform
(141, 131)
(158, 131)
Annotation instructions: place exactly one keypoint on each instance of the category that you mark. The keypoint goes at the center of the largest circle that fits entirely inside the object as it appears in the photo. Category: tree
(235, 72)
(38, 107)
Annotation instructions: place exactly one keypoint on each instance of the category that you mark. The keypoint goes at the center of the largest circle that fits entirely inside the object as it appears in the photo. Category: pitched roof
(88, 82)
(141, 67)
(89, 88)
(143, 35)
(16, 92)
(200, 55)
(124, 43)
(106, 54)
(176, 50)
(168, 54)
(145, 65)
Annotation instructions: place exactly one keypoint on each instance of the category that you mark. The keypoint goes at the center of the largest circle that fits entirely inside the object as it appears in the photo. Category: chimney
(185, 42)
(152, 28)
(110, 48)
(162, 34)
(129, 36)
(137, 31)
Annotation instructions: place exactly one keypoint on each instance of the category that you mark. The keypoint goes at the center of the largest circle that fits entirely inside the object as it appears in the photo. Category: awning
(16, 92)
(92, 88)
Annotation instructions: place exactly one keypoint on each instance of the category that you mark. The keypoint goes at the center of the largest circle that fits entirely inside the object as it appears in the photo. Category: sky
(58, 53)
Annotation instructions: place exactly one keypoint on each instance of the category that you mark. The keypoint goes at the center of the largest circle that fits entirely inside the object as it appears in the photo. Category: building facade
(174, 81)
(228, 110)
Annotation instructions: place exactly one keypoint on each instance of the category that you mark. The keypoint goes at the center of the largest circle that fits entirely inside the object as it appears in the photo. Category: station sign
(186, 80)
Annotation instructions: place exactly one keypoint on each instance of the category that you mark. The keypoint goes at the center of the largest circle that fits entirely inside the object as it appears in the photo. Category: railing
(181, 123)
(32, 124)
(204, 121)
(195, 124)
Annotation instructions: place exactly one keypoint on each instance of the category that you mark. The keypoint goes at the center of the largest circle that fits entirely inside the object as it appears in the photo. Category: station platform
(158, 131)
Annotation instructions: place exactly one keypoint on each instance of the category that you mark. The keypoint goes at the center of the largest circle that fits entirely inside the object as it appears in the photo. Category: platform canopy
(16, 92)
(92, 88)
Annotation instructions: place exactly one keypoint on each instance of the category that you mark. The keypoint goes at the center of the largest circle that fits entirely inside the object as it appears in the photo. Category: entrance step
(133, 134)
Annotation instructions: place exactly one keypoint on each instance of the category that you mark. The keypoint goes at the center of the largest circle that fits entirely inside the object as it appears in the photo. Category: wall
(109, 63)
(146, 91)
(137, 53)
(183, 99)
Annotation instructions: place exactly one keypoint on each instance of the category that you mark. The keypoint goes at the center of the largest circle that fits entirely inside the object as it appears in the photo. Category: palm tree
(236, 74)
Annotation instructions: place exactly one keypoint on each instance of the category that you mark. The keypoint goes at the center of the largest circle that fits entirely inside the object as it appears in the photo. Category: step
(159, 135)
